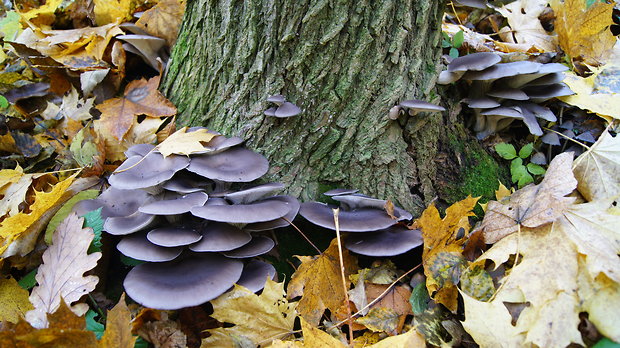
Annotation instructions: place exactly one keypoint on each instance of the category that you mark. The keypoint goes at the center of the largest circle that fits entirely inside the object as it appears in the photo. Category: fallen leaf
(603, 103)
(318, 280)
(14, 301)
(409, 339)
(141, 98)
(14, 185)
(113, 11)
(258, 319)
(598, 169)
(63, 212)
(145, 132)
(522, 16)
(62, 271)
(442, 254)
(380, 319)
(314, 337)
(42, 15)
(533, 205)
(183, 143)
(118, 327)
(583, 31)
(163, 20)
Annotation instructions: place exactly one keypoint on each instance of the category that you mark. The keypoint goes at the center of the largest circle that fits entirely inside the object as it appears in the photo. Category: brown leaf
(13, 300)
(118, 327)
(163, 334)
(61, 274)
(318, 281)
(141, 98)
(533, 205)
(163, 20)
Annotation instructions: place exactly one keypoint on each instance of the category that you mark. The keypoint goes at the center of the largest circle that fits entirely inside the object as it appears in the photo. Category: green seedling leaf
(64, 212)
(3, 102)
(128, 261)
(93, 325)
(454, 53)
(535, 169)
(506, 151)
(419, 299)
(526, 151)
(445, 44)
(28, 281)
(93, 220)
(141, 343)
(457, 39)
(83, 153)
(525, 179)
(606, 343)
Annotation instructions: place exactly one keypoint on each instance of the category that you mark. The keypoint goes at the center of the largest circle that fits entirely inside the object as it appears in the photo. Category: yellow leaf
(314, 337)
(318, 280)
(380, 319)
(25, 227)
(410, 339)
(15, 193)
(42, 15)
(113, 11)
(182, 143)
(163, 20)
(502, 192)
(583, 32)
(598, 169)
(118, 327)
(604, 104)
(14, 301)
(258, 319)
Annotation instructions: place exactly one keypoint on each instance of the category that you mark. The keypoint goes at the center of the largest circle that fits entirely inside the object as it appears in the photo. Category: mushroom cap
(254, 275)
(218, 236)
(340, 191)
(355, 201)
(266, 210)
(257, 246)
(395, 240)
(144, 43)
(474, 62)
(504, 111)
(508, 93)
(538, 110)
(446, 77)
(539, 158)
(186, 182)
(139, 150)
(178, 205)
(233, 165)
(219, 144)
(182, 283)
(551, 138)
(279, 222)
(420, 105)
(141, 172)
(87, 205)
(173, 236)
(117, 202)
(481, 103)
(548, 79)
(503, 70)
(122, 225)
(542, 93)
(254, 193)
(287, 109)
(276, 98)
(271, 111)
(138, 247)
(359, 220)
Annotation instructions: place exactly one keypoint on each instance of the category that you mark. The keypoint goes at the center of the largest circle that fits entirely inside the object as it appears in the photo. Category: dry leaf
(380, 319)
(409, 339)
(144, 132)
(589, 97)
(182, 143)
(522, 16)
(42, 15)
(163, 334)
(442, 255)
(113, 11)
(163, 20)
(598, 169)
(533, 205)
(258, 319)
(583, 32)
(62, 271)
(141, 98)
(319, 282)
(118, 327)
(14, 301)
(14, 185)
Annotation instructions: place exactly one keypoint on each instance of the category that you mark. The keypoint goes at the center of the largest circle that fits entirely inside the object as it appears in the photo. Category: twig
(567, 137)
(344, 281)
(303, 235)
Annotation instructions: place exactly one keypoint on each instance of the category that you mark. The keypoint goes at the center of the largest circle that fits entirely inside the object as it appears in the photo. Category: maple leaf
(318, 281)
(589, 96)
(583, 31)
(14, 301)
(141, 98)
(258, 319)
(442, 254)
(598, 169)
(183, 143)
(522, 16)
(61, 274)
(118, 327)
(163, 20)
(144, 132)
(533, 205)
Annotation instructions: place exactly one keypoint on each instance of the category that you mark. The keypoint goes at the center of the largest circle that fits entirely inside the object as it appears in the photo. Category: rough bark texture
(345, 63)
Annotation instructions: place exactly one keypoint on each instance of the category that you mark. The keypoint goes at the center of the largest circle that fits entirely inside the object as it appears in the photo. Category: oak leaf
(183, 143)
(318, 280)
(258, 319)
(14, 185)
(141, 98)
(522, 16)
(62, 271)
(598, 169)
(163, 20)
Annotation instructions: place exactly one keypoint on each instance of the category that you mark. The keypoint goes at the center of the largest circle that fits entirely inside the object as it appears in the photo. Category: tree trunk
(345, 63)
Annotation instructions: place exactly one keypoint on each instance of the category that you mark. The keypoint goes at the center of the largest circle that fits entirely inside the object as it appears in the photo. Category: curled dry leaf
(62, 271)
(183, 143)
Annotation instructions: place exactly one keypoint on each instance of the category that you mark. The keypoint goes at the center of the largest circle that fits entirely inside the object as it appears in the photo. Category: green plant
(521, 173)
(454, 43)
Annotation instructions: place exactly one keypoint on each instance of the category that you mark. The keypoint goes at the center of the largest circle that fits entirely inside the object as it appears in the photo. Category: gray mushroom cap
(271, 111)
(122, 225)
(503, 70)
(420, 106)
(287, 109)
(265, 210)
(173, 236)
(139, 150)
(183, 283)
(186, 182)
(474, 62)
(280, 222)
(254, 275)
(395, 240)
(508, 93)
(355, 201)
(177, 205)
(359, 220)
(445, 77)
(254, 193)
(481, 103)
(219, 144)
(340, 191)
(115, 202)
(218, 236)
(233, 165)
(257, 246)
(542, 93)
(277, 99)
(154, 169)
(538, 110)
(138, 247)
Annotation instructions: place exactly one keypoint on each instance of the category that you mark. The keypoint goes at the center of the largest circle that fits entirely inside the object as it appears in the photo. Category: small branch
(303, 235)
(344, 280)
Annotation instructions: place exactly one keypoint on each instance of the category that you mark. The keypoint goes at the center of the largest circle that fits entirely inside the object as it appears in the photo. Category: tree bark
(345, 63)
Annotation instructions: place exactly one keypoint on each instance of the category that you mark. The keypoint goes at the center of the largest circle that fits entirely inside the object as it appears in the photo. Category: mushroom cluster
(283, 108)
(503, 92)
(373, 232)
(188, 220)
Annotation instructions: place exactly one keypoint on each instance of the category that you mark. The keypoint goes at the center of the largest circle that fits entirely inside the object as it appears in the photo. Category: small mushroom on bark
(415, 106)
(283, 109)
